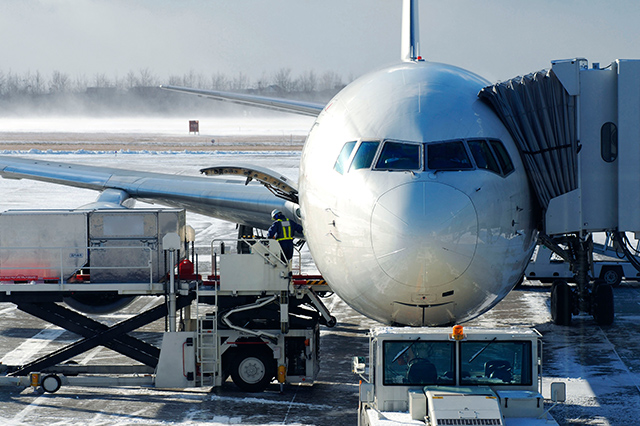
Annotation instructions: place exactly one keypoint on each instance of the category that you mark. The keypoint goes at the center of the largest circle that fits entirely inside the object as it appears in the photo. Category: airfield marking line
(286, 416)
(620, 359)
(18, 418)
(127, 315)
(7, 310)
(32, 345)
(149, 304)
(92, 354)
(23, 353)
(333, 302)
(271, 402)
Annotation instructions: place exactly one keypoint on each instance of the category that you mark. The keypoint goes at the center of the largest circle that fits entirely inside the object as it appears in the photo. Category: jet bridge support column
(582, 248)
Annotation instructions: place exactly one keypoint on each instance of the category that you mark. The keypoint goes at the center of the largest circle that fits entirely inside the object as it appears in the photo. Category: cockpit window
(399, 156)
(448, 156)
(364, 155)
(343, 159)
(454, 155)
(503, 157)
(483, 156)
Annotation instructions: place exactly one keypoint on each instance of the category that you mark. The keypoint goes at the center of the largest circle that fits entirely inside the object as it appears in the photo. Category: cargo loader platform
(254, 320)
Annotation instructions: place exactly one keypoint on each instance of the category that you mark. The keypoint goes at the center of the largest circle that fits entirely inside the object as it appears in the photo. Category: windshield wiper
(403, 351)
(481, 350)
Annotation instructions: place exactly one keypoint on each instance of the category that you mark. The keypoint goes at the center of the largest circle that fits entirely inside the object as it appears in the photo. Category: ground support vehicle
(440, 376)
(256, 320)
(609, 265)
(253, 321)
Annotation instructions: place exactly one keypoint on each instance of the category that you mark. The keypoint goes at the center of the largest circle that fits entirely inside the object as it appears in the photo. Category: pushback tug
(439, 376)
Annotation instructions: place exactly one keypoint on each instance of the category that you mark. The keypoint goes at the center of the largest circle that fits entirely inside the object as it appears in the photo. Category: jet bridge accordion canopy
(578, 132)
(540, 116)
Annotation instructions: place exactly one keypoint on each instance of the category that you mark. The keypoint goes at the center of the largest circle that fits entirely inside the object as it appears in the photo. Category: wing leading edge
(231, 201)
(277, 104)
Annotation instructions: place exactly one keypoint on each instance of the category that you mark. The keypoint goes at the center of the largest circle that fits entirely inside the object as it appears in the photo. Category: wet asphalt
(599, 365)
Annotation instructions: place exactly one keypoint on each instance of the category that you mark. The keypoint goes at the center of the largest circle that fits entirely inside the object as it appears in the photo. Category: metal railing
(269, 249)
(38, 264)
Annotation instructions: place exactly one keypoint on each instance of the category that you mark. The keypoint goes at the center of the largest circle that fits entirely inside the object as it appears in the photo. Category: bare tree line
(282, 81)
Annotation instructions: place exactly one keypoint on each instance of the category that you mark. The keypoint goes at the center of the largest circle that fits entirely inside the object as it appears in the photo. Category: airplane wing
(277, 104)
(233, 201)
(249, 204)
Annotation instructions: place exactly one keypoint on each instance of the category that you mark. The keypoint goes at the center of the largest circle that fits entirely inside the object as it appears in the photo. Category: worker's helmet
(275, 214)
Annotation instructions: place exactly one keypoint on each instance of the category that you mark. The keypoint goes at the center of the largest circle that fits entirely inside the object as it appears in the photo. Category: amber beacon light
(458, 332)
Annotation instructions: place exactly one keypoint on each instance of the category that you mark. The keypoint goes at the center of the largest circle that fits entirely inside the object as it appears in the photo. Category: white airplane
(414, 200)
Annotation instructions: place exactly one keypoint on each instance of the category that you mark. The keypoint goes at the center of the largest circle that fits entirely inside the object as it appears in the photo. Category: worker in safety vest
(283, 230)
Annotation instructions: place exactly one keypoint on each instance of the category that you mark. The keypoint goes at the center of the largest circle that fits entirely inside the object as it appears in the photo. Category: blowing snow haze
(99, 50)
(498, 39)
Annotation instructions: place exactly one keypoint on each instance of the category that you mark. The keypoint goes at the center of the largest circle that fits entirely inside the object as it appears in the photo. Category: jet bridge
(577, 129)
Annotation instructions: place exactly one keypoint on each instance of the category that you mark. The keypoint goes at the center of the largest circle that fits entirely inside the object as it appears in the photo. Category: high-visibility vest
(285, 233)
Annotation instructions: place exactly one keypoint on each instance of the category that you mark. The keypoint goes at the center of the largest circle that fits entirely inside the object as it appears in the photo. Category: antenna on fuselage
(410, 48)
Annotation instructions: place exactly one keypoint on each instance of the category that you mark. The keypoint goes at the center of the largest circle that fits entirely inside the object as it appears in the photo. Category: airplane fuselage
(415, 202)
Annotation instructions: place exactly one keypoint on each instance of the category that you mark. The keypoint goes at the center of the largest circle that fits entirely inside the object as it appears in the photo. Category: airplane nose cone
(424, 234)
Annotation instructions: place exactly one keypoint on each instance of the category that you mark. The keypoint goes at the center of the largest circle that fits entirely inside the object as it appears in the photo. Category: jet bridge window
(399, 156)
(343, 159)
(448, 156)
(418, 363)
(609, 142)
(483, 156)
(495, 363)
(364, 155)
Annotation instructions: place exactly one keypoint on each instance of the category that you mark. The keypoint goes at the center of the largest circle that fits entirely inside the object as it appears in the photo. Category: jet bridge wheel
(561, 303)
(602, 305)
(612, 275)
(253, 370)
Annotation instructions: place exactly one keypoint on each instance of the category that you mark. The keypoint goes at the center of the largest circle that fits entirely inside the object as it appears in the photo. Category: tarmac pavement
(598, 364)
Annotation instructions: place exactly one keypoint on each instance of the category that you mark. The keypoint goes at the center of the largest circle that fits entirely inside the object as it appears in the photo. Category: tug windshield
(419, 363)
(479, 363)
(495, 363)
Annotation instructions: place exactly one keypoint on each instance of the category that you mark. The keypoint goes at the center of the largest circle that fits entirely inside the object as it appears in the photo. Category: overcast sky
(497, 39)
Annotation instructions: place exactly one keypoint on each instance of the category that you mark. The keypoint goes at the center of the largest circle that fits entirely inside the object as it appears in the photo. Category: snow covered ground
(260, 125)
